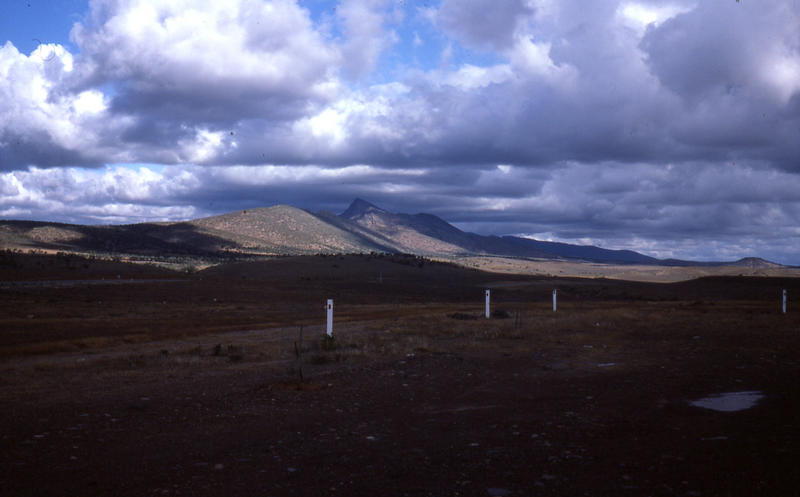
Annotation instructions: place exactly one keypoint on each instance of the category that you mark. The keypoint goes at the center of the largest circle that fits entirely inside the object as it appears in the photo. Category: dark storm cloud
(740, 51)
(21, 149)
(221, 106)
(737, 78)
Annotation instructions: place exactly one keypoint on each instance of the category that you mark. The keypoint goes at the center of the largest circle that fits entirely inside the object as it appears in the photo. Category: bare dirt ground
(220, 383)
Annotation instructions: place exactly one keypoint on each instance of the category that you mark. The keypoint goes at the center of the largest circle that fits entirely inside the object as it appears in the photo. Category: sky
(667, 127)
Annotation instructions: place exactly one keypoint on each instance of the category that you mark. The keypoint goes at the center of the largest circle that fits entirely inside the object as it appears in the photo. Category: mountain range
(286, 230)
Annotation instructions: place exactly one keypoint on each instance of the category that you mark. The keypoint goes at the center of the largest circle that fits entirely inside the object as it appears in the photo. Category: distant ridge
(286, 230)
(419, 234)
(427, 227)
(586, 252)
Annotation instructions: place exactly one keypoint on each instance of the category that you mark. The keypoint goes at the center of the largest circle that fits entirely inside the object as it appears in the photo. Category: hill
(426, 233)
(144, 239)
(285, 230)
(421, 234)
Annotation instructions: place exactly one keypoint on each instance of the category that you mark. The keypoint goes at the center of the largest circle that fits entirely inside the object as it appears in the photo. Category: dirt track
(153, 392)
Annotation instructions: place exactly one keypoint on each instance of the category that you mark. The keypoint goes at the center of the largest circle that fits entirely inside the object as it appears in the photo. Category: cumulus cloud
(38, 123)
(164, 82)
(749, 50)
(208, 61)
(366, 36)
(182, 192)
(253, 82)
(187, 74)
(735, 78)
(484, 24)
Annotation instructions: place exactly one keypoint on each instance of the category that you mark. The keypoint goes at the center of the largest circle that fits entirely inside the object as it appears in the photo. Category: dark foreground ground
(218, 383)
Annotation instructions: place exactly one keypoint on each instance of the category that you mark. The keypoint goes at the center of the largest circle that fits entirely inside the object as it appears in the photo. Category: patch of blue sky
(323, 14)
(409, 55)
(421, 47)
(460, 56)
(136, 166)
(29, 23)
(109, 89)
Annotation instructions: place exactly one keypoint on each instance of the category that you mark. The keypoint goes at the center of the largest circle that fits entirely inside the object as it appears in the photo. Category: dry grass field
(627, 272)
(129, 380)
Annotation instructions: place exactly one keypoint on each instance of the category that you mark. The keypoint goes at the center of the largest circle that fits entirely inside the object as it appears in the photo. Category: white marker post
(487, 304)
(784, 301)
(555, 293)
(330, 318)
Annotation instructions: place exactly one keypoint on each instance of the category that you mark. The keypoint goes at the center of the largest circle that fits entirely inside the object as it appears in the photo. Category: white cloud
(365, 35)
(638, 15)
(370, 114)
(532, 60)
(89, 102)
(202, 147)
(781, 72)
(469, 76)
(37, 117)
(329, 124)
(261, 46)
(183, 71)
(138, 193)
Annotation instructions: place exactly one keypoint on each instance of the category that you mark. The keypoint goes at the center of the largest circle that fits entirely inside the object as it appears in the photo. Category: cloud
(79, 195)
(365, 37)
(748, 49)
(734, 77)
(484, 24)
(38, 123)
(255, 82)
(641, 15)
(244, 59)
(184, 75)
(164, 82)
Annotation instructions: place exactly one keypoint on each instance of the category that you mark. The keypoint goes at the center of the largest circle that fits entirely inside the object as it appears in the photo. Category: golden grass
(627, 272)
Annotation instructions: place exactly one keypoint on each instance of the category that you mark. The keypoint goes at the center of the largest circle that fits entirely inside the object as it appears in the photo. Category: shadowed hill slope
(420, 233)
(427, 235)
(145, 239)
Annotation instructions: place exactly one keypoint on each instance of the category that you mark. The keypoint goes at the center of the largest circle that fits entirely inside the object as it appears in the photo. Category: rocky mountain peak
(359, 207)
